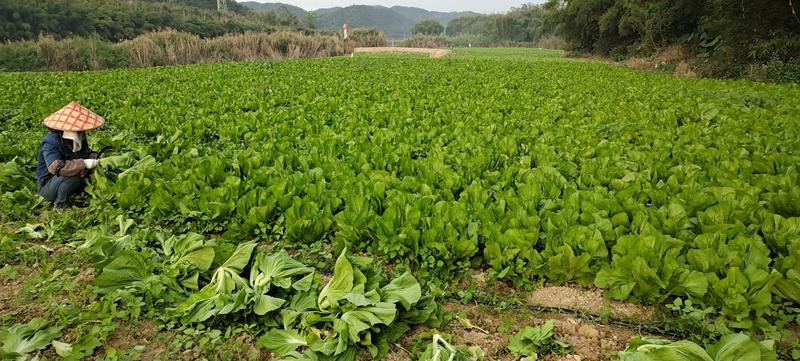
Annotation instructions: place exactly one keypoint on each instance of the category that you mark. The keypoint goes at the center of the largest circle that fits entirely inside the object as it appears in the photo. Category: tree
(427, 27)
(471, 25)
(308, 20)
(115, 20)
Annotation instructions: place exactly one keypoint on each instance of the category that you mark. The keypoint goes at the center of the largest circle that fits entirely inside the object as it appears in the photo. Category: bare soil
(677, 56)
(11, 307)
(589, 340)
(145, 333)
(590, 301)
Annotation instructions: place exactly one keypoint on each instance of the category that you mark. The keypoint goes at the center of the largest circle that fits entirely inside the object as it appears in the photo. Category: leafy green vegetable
(280, 270)
(189, 255)
(127, 269)
(647, 187)
(281, 342)
(648, 268)
(534, 341)
(226, 291)
(404, 289)
(441, 350)
(21, 340)
(732, 347)
(340, 284)
(653, 349)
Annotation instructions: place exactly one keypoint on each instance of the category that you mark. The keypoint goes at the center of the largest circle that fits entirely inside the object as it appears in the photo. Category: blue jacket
(53, 148)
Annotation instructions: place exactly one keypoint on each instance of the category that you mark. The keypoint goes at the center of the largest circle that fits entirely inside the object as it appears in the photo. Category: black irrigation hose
(640, 328)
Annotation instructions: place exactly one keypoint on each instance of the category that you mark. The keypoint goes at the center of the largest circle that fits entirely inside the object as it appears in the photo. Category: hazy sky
(482, 6)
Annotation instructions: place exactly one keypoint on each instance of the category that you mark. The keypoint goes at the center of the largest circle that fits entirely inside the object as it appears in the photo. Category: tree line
(527, 23)
(728, 35)
(117, 20)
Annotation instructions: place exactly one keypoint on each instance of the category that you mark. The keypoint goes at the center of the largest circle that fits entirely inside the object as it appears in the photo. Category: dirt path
(590, 301)
(434, 53)
(589, 340)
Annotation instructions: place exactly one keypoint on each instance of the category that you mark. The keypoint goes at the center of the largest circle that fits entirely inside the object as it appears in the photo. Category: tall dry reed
(171, 47)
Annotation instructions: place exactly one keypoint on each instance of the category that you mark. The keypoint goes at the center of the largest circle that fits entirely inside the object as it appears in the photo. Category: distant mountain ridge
(395, 22)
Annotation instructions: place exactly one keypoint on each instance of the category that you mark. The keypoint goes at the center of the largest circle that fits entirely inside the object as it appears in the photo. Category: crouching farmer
(64, 158)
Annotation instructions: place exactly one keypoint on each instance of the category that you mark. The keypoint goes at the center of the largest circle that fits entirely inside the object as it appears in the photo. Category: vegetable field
(326, 207)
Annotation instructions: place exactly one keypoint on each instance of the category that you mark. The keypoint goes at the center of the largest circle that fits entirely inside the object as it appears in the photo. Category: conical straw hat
(73, 117)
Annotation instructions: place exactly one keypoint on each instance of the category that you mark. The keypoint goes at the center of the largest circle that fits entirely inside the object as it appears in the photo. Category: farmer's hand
(90, 163)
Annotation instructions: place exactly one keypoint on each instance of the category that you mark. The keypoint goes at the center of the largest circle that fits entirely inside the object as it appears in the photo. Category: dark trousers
(59, 189)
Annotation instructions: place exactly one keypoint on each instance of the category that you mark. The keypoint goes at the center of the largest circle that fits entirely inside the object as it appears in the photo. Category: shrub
(552, 42)
(367, 37)
(20, 56)
(426, 41)
(167, 47)
(780, 71)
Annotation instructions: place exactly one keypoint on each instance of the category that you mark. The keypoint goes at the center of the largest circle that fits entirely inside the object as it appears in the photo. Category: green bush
(282, 45)
(620, 53)
(426, 41)
(780, 71)
(18, 56)
(368, 37)
(90, 54)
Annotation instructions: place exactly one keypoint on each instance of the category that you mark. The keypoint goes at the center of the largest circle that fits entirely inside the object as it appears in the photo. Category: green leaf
(646, 349)
(20, 340)
(278, 269)
(226, 293)
(534, 341)
(124, 270)
(200, 258)
(340, 284)
(404, 289)
(265, 304)
(190, 249)
(281, 342)
(739, 346)
(305, 283)
(360, 300)
(240, 257)
(362, 319)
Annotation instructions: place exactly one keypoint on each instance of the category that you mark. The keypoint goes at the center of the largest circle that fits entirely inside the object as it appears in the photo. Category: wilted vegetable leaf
(534, 341)
(281, 342)
(20, 340)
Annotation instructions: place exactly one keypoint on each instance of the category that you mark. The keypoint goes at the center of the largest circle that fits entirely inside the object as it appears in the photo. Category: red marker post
(344, 28)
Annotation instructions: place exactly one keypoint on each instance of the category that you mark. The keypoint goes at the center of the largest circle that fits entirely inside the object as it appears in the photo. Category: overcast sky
(482, 6)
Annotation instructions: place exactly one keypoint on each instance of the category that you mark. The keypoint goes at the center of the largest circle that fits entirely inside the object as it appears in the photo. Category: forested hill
(395, 22)
(116, 20)
(392, 23)
(277, 7)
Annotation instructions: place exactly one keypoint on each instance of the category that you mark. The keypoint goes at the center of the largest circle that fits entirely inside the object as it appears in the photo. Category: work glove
(90, 163)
